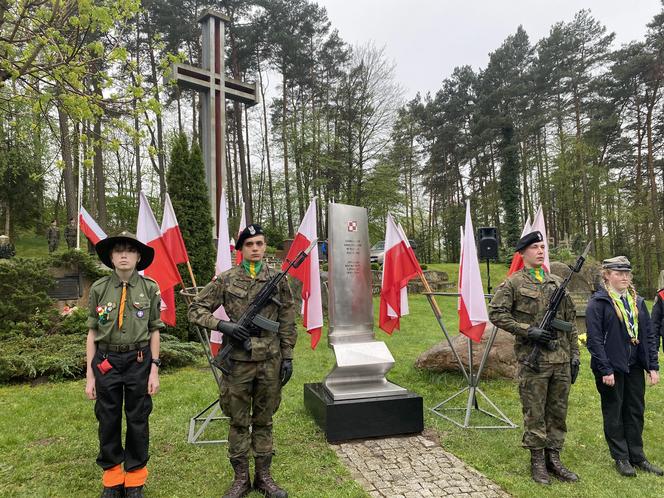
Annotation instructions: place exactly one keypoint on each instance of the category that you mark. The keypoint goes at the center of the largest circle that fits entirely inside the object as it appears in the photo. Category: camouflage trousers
(249, 396)
(544, 402)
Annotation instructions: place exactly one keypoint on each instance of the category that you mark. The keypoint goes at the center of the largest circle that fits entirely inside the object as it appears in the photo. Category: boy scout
(251, 394)
(517, 307)
(122, 352)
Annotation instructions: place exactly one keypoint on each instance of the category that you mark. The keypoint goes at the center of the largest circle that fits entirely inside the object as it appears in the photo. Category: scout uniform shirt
(140, 316)
(235, 289)
(521, 301)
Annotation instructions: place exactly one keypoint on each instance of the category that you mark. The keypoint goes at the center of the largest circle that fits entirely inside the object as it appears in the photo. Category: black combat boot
(241, 485)
(263, 482)
(556, 467)
(625, 468)
(538, 467)
(113, 492)
(646, 466)
(134, 492)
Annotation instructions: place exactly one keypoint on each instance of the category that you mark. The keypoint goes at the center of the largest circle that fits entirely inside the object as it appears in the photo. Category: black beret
(529, 238)
(249, 231)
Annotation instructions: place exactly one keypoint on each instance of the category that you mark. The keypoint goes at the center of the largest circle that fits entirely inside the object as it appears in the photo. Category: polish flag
(163, 270)
(517, 260)
(399, 266)
(223, 244)
(90, 227)
(473, 315)
(170, 231)
(538, 225)
(309, 274)
(222, 264)
(243, 225)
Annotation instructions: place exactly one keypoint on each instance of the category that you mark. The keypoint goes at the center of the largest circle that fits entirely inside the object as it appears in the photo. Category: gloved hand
(233, 330)
(574, 365)
(286, 371)
(539, 335)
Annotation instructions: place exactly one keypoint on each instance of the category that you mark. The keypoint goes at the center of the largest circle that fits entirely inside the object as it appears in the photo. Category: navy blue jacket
(658, 317)
(608, 340)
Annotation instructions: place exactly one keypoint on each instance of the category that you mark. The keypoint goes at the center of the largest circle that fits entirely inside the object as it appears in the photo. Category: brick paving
(414, 466)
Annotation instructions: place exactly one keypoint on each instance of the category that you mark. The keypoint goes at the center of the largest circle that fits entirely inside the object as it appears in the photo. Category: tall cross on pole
(210, 81)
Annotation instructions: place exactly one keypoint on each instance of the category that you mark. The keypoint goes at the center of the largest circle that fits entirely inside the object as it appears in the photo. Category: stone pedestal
(364, 417)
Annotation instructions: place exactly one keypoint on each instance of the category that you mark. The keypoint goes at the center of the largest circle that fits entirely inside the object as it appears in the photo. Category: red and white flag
(539, 225)
(309, 274)
(163, 270)
(222, 264)
(243, 225)
(473, 315)
(517, 260)
(399, 266)
(170, 231)
(90, 227)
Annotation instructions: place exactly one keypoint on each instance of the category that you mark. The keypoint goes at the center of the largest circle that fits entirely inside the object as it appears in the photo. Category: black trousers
(127, 381)
(622, 408)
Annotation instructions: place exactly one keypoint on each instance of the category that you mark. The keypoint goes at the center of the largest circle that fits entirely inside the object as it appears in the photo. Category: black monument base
(366, 417)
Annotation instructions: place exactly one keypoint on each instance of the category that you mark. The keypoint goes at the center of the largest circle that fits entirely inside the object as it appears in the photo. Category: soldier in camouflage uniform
(518, 307)
(71, 232)
(53, 236)
(251, 394)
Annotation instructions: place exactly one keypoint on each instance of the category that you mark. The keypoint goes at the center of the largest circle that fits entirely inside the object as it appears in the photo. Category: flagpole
(191, 274)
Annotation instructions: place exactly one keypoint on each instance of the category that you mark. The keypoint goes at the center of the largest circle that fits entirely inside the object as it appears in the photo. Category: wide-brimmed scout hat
(529, 238)
(619, 263)
(105, 246)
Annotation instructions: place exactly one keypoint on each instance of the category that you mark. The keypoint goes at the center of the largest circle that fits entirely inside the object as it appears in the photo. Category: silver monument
(361, 361)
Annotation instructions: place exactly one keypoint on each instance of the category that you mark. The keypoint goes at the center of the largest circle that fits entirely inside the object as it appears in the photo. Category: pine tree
(188, 191)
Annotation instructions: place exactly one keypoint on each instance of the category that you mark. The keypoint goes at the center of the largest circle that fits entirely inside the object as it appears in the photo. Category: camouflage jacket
(53, 234)
(520, 302)
(235, 290)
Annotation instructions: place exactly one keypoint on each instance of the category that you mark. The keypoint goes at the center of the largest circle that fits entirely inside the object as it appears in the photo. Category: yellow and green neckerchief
(631, 322)
(252, 268)
(537, 274)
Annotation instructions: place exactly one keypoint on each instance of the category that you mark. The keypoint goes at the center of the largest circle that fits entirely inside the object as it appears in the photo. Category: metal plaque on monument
(356, 400)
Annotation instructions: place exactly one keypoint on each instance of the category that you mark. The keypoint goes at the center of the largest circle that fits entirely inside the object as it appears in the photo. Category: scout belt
(121, 348)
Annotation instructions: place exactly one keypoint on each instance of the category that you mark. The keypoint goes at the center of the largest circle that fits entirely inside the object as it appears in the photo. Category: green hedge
(63, 356)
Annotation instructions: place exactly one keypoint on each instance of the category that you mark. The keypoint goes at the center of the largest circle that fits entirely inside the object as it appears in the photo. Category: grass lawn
(48, 433)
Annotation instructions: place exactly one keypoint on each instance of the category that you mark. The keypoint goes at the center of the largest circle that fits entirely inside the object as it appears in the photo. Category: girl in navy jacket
(623, 346)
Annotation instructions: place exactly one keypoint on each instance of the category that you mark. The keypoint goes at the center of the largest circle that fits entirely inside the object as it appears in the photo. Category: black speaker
(488, 242)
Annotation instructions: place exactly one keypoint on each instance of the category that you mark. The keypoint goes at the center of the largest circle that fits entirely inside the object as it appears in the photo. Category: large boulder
(501, 362)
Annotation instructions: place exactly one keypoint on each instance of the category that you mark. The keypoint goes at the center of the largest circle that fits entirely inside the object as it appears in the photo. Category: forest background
(571, 121)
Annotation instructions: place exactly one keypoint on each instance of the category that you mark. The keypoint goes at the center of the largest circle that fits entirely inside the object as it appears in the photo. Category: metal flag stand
(472, 378)
(213, 411)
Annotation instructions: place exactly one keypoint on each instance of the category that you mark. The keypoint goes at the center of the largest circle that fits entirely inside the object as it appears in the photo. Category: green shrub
(62, 356)
(375, 266)
(24, 283)
(424, 266)
(87, 264)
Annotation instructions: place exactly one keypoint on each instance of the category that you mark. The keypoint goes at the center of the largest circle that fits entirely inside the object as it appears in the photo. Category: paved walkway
(413, 466)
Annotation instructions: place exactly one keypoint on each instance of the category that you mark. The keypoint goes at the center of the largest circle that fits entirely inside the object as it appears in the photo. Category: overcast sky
(428, 38)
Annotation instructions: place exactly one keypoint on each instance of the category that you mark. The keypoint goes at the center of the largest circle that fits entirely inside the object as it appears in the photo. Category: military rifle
(252, 320)
(549, 320)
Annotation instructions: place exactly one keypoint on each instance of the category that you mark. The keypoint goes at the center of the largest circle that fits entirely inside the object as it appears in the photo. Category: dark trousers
(128, 381)
(622, 409)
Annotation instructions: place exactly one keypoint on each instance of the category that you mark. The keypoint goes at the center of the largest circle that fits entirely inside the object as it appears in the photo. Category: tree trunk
(68, 171)
(284, 139)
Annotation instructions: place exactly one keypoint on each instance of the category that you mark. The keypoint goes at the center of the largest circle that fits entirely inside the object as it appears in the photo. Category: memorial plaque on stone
(356, 400)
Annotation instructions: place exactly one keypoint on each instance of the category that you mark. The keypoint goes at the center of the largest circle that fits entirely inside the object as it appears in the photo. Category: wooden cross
(207, 80)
